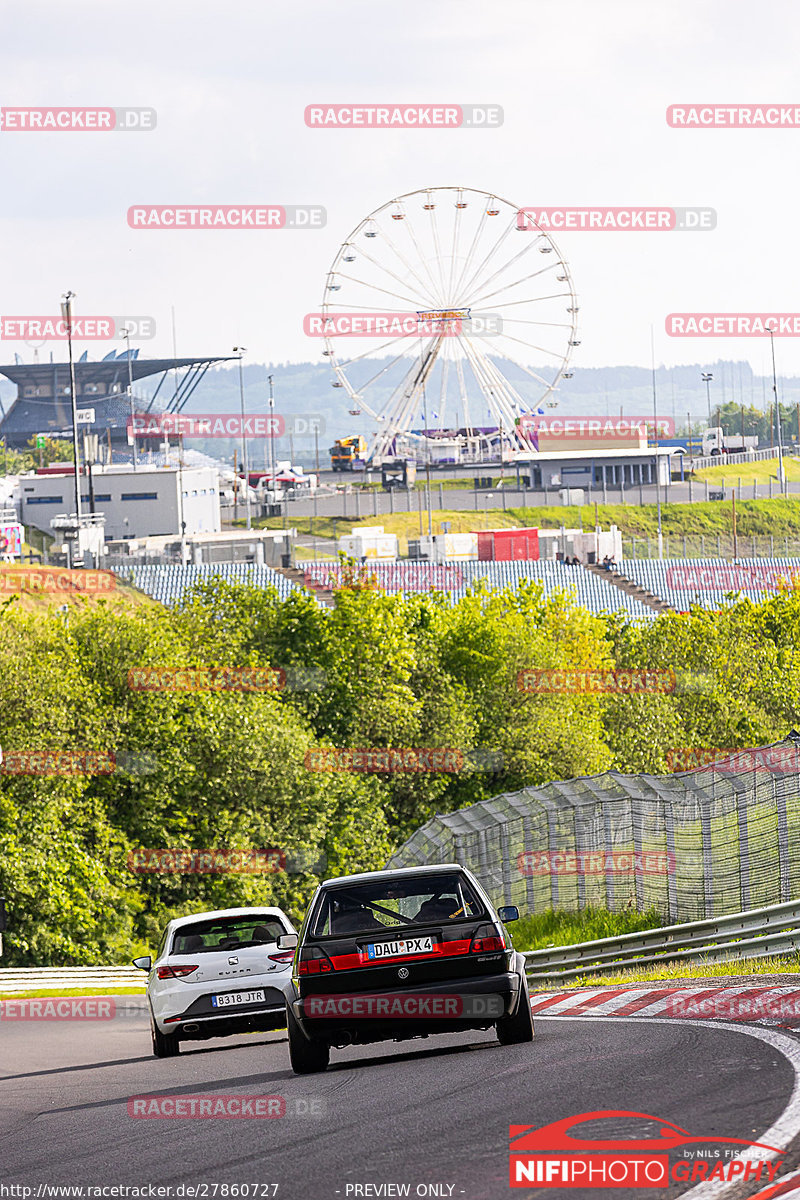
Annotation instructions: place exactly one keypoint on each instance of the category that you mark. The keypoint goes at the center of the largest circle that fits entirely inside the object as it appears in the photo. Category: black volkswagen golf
(402, 954)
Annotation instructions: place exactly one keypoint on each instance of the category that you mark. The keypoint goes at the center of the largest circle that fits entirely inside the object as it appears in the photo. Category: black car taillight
(175, 972)
(313, 961)
(486, 939)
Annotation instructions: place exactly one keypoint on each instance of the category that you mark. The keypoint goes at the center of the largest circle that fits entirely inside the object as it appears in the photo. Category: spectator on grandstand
(607, 563)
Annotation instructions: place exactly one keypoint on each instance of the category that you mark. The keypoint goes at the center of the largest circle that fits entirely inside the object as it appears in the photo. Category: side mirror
(287, 941)
(143, 964)
(508, 912)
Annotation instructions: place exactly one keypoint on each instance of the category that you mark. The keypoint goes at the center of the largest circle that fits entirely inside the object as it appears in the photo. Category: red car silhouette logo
(556, 1136)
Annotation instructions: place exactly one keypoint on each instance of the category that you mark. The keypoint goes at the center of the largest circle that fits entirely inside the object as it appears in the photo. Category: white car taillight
(175, 972)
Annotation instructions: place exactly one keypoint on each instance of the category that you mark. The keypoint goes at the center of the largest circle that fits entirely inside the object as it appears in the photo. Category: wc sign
(10, 541)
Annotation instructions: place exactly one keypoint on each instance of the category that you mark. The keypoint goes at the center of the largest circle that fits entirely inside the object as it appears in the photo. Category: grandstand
(590, 591)
(680, 583)
(706, 582)
(167, 583)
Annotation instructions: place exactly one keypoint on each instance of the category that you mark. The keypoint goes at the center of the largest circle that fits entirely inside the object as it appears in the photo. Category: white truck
(715, 442)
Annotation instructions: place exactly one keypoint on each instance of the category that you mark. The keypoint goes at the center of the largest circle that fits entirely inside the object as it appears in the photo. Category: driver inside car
(438, 908)
(349, 917)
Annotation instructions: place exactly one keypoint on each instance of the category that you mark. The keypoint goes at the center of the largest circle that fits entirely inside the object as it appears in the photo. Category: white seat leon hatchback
(217, 974)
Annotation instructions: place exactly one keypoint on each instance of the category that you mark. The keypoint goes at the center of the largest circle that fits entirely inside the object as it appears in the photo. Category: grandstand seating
(706, 581)
(591, 592)
(167, 583)
(679, 582)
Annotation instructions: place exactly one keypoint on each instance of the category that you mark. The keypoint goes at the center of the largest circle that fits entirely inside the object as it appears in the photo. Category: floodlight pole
(66, 312)
(271, 440)
(240, 351)
(655, 438)
(126, 333)
(706, 377)
(781, 474)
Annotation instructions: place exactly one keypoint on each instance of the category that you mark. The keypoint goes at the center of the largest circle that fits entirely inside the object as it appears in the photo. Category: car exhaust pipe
(192, 1027)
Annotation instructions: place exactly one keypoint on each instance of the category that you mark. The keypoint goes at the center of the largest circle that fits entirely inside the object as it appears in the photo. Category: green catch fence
(718, 839)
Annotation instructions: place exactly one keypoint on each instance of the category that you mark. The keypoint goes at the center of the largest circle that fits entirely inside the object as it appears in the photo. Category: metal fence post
(527, 849)
(705, 828)
(672, 861)
(744, 851)
(779, 792)
(506, 863)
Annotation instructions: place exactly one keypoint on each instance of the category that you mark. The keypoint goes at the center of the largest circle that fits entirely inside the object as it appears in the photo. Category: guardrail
(29, 979)
(759, 933)
(734, 459)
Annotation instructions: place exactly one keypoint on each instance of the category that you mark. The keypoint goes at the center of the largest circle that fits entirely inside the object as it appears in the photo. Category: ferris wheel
(443, 310)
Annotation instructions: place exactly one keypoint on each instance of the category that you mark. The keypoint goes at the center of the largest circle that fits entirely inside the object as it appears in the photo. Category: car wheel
(306, 1056)
(165, 1045)
(513, 1031)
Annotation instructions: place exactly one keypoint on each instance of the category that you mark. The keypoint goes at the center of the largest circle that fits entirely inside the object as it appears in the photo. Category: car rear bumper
(198, 1028)
(500, 991)
(199, 1018)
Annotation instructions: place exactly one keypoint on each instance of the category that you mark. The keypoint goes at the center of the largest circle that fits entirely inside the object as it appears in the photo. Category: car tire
(165, 1045)
(513, 1031)
(306, 1056)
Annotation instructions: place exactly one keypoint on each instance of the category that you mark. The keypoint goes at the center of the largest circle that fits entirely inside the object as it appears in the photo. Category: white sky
(584, 86)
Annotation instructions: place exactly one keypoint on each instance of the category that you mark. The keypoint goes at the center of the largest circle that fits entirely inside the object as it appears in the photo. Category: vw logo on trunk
(403, 973)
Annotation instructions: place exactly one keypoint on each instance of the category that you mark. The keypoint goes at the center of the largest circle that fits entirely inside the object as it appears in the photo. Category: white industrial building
(149, 502)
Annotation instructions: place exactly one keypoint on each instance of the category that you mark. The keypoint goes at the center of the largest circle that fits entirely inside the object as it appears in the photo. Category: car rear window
(395, 903)
(226, 933)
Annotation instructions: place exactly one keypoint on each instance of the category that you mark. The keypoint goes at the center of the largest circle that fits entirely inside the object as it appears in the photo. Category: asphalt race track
(423, 1112)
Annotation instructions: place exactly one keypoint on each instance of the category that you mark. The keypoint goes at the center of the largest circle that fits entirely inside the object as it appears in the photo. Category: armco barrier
(760, 933)
(28, 979)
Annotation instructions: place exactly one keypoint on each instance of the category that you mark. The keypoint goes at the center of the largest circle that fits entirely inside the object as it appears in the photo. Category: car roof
(229, 912)
(396, 873)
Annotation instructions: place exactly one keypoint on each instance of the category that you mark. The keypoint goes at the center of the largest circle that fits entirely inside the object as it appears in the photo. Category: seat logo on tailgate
(423, 945)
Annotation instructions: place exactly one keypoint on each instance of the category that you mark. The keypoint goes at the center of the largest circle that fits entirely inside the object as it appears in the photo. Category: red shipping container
(507, 545)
